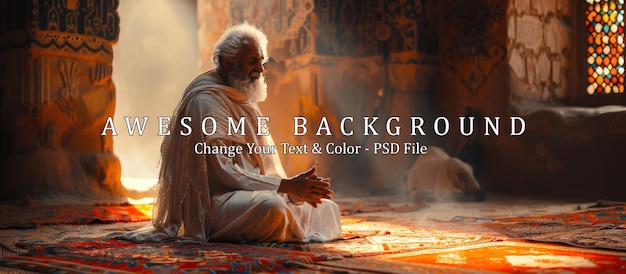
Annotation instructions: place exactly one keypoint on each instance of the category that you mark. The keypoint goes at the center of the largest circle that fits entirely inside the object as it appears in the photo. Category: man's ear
(224, 62)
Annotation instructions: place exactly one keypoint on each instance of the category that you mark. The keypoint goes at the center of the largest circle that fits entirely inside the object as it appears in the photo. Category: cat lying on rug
(435, 176)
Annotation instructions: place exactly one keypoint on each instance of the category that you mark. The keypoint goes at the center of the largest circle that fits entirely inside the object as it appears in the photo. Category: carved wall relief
(56, 94)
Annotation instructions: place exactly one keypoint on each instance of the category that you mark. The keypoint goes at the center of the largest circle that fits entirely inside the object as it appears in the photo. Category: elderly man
(248, 197)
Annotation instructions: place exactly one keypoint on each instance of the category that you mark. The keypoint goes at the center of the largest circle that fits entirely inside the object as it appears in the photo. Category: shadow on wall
(155, 58)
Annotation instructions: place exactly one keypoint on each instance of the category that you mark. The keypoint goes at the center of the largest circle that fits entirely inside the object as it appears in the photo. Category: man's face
(250, 62)
(247, 74)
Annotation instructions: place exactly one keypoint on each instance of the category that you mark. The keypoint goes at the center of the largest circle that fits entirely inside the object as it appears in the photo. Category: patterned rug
(402, 246)
(19, 241)
(38, 215)
(370, 242)
(360, 206)
(127, 257)
(510, 257)
(371, 236)
(594, 227)
(75, 246)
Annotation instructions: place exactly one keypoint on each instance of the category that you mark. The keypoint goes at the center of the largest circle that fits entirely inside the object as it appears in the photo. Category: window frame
(580, 97)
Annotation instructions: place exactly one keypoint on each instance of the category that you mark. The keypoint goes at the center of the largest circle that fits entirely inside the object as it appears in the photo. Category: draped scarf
(182, 207)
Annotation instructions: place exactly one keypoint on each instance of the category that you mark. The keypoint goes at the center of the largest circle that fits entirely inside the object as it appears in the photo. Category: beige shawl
(182, 205)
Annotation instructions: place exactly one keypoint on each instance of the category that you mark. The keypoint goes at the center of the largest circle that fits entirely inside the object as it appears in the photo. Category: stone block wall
(542, 46)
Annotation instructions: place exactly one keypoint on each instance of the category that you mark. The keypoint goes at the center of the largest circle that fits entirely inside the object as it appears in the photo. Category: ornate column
(55, 95)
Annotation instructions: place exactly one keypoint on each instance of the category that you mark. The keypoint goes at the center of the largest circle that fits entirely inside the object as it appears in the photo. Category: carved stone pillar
(55, 95)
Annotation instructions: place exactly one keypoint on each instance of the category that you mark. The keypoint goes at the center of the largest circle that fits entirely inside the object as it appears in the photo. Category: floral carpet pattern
(374, 241)
(118, 256)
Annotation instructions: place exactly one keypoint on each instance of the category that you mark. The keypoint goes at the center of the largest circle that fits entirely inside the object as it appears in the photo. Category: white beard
(256, 90)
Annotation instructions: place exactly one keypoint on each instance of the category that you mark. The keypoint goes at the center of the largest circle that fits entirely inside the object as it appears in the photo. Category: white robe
(215, 197)
(249, 208)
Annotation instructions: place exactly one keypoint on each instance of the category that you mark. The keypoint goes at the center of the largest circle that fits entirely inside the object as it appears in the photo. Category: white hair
(233, 39)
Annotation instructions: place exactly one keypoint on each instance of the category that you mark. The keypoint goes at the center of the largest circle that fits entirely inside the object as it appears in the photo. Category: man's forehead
(250, 49)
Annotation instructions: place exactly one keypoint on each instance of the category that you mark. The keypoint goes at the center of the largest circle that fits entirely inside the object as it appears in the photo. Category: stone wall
(566, 150)
(542, 46)
(473, 48)
(56, 93)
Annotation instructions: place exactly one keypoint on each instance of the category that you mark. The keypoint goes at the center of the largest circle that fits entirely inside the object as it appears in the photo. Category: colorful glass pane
(605, 51)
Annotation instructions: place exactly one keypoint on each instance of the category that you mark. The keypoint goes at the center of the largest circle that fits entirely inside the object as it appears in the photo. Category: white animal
(436, 176)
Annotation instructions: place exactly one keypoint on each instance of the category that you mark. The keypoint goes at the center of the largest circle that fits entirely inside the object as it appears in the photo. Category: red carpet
(369, 243)
(122, 256)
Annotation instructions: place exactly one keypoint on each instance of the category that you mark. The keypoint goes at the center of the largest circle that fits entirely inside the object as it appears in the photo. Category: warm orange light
(516, 257)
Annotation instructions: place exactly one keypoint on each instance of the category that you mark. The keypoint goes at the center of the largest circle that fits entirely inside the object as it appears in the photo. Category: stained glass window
(605, 51)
